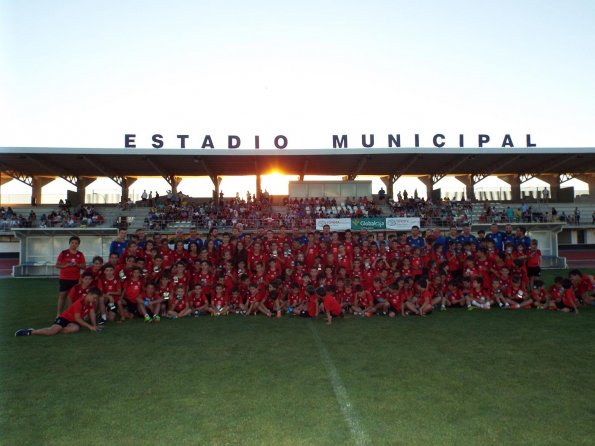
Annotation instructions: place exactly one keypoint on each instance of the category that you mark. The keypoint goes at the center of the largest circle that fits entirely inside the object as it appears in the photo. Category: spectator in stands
(381, 194)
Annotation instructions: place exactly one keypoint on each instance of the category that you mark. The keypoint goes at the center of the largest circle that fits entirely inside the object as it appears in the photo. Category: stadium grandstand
(556, 212)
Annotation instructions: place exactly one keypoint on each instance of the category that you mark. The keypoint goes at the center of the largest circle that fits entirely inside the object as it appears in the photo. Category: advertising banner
(401, 223)
(336, 224)
(357, 224)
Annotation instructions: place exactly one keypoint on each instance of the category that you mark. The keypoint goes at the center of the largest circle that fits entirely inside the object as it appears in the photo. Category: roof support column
(467, 180)
(258, 186)
(217, 183)
(429, 183)
(389, 181)
(515, 186)
(36, 185)
(553, 180)
(81, 184)
(173, 182)
(125, 183)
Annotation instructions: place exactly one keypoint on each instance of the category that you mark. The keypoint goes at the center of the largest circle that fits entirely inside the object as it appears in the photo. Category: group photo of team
(306, 274)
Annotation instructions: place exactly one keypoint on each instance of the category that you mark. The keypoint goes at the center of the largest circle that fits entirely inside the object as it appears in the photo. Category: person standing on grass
(80, 314)
(533, 259)
(70, 263)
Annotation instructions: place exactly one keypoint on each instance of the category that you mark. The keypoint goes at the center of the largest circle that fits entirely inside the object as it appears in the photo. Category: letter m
(339, 143)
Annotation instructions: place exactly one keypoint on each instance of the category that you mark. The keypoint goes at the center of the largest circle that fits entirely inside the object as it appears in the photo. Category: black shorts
(533, 271)
(66, 285)
(131, 307)
(62, 322)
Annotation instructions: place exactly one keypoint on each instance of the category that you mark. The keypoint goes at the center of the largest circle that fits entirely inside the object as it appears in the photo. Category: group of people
(306, 273)
(227, 212)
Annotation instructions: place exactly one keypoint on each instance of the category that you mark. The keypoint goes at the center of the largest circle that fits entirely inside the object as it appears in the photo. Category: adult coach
(70, 263)
(120, 244)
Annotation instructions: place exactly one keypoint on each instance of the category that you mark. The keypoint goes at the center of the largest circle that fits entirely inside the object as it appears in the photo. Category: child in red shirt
(332, 307)
(71, 320)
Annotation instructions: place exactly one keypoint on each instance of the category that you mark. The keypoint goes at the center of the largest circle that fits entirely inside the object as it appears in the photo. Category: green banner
(357, 224)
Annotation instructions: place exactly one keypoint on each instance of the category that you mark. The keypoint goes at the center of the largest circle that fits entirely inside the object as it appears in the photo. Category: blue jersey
(524, 240)
(118, 247)
(509, 238)
(198, 242)
(471, 239)
(451, 239)
(418, 242)
(441, 241)
(302, 239)
(498, 239)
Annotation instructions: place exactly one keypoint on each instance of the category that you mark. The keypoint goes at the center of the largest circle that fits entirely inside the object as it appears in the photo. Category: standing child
(533, 263)
(70, 262)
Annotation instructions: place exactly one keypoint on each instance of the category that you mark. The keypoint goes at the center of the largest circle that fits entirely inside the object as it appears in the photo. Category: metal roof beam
(358, 167)
(20, 176)
(481, 176)
(450, 169)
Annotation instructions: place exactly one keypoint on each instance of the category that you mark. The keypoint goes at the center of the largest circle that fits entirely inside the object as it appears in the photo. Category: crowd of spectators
(251, 213)
(442, 213)
(63, 217)
(300, 208)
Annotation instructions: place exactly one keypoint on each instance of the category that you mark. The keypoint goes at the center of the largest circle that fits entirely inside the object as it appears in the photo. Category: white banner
(336, 224)
(401, 223)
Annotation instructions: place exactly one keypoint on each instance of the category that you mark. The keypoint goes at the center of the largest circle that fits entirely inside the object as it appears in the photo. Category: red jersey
(294, 299)
(425, 297)
(96, 273)
(365, 299)
(332, 305)
(79, 307)
(180, 301)
(539, 295)
(77, 292)
(132, 289)
(395, 300)
(378, 295)
(205, 280)
(569, 299)
(313, 306)
(183, 280)
(197, 300)
(219, 300)
(533, 258)
(111, 287)
(72, 271)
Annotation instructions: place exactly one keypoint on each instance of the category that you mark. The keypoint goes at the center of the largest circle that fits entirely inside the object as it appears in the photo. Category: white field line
(359, 435)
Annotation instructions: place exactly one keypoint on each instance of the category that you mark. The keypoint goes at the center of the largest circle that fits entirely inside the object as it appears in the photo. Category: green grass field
(457, 377)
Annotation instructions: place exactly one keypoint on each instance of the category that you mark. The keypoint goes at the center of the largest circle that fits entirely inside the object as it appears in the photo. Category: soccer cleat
(470, 308)
(24, 332)
(147, 318)
(156, 318)
(100, 321)
(442, 308)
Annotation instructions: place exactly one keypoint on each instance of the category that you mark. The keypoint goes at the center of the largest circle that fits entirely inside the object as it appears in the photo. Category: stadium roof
(91, 162)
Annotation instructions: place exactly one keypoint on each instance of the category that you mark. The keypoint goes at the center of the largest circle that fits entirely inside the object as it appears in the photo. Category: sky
(84, 73)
